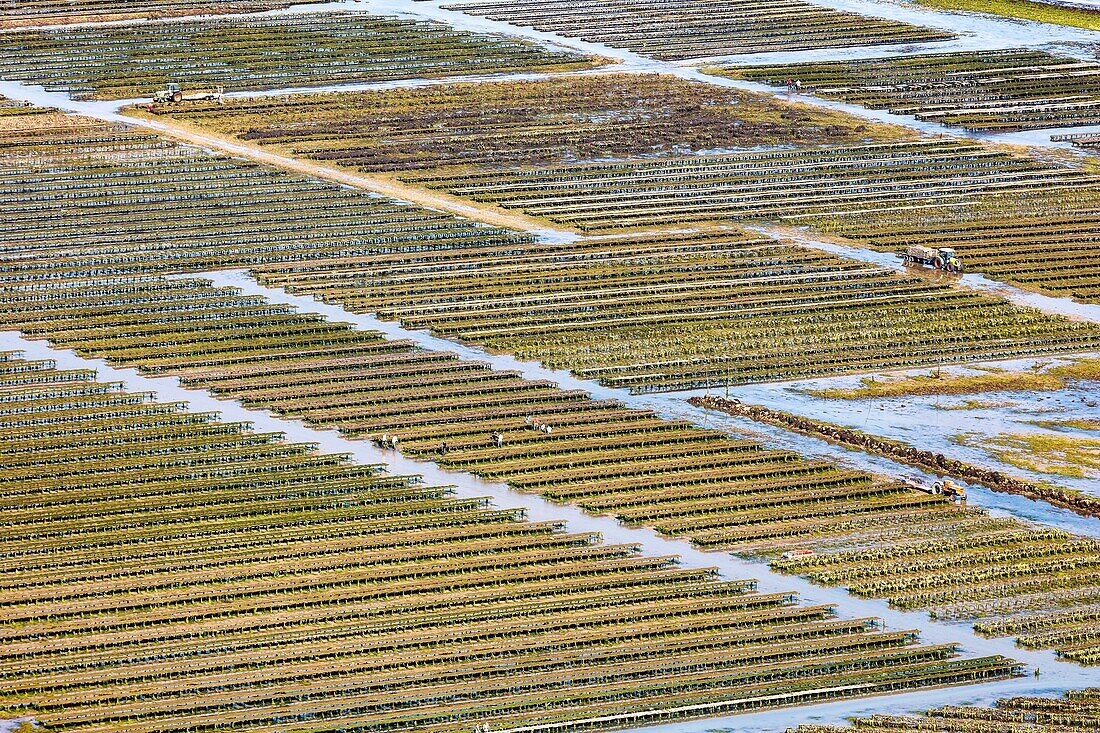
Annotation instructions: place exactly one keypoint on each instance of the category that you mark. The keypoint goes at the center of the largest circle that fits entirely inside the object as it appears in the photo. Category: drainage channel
(1057, 676)
(668, 405)
(976, 33)
(674, 407)
(979, 34)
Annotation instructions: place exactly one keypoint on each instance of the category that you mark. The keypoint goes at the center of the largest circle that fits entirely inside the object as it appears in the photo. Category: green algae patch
(1085, 369)
(975, 405)
(1024, 10)
(938, 383)
(1058, 455)
(1075, 424)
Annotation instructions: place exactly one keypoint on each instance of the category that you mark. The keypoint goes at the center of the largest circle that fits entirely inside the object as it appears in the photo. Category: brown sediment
(905, 453)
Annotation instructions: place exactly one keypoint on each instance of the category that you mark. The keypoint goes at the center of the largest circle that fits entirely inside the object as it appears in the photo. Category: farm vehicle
(172, 94)
(943, 258)
(945, 487)
(950, 489)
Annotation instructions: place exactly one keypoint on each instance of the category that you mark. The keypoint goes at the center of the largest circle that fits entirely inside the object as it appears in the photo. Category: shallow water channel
(1056, 676)
(978, 32)
(974, 280)
(674, 405)
(930, 422)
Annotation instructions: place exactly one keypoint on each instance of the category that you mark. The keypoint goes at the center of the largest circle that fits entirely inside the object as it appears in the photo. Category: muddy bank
(899, 451)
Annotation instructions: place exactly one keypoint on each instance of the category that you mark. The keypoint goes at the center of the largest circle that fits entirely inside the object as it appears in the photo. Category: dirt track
(380, 184)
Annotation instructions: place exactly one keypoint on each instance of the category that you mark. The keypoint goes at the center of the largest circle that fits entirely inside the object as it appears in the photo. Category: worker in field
(443, 448)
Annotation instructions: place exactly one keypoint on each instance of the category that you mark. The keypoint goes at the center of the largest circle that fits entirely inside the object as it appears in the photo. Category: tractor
(943, 258)
(950, 489)
(172, 94)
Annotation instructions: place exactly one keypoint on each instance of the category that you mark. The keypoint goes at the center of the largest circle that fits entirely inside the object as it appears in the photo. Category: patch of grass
(1025, 10)
(937, 383)
(989, 369)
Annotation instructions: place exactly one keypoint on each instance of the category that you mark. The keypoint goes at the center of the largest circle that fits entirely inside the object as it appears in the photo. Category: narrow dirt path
(380, 184)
